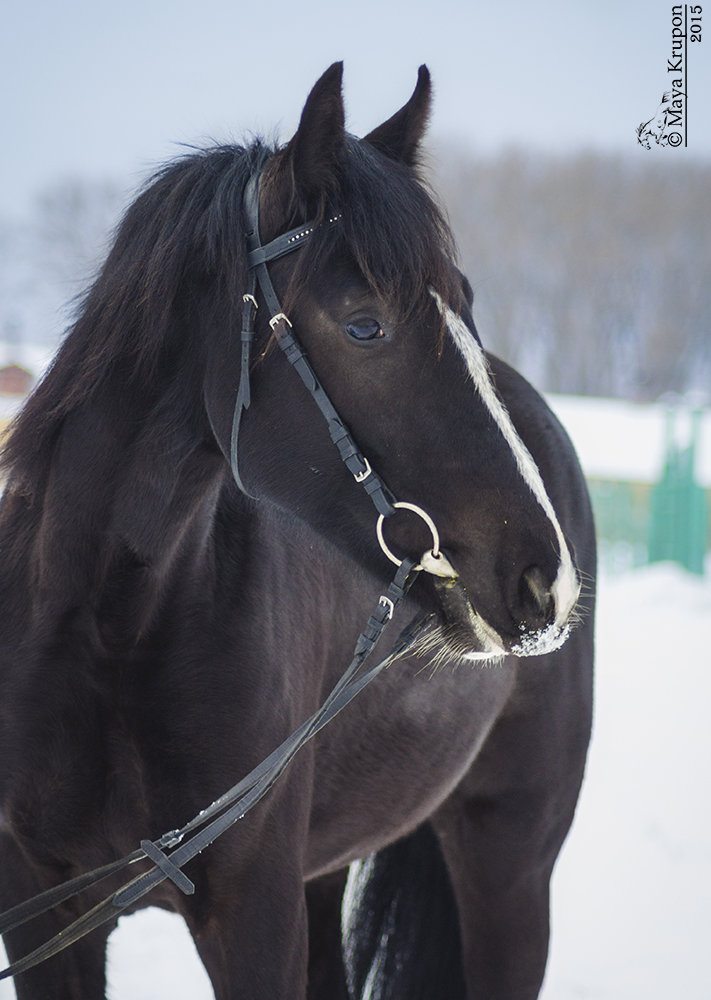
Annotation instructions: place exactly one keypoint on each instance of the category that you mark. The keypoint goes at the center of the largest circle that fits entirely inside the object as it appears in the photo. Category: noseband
(258, 257)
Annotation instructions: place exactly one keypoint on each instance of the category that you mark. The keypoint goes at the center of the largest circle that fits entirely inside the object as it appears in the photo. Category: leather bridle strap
(257, 259)
(244, 394)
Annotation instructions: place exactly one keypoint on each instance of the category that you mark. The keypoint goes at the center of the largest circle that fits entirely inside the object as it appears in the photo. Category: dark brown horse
(162, 630)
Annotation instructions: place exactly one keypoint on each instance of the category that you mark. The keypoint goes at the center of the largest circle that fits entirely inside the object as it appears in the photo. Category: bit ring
(401, 505)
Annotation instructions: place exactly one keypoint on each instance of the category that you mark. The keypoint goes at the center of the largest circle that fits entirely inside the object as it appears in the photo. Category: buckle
(277, 319)
(389, 605)
(360, 476)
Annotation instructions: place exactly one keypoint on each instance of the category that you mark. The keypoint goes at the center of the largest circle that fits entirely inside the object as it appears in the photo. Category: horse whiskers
(443, 645)
(440, 645)
(578, 616)
(581, 612)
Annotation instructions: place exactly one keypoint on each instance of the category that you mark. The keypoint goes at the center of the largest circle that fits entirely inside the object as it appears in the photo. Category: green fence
(640, 523)
(622, 518)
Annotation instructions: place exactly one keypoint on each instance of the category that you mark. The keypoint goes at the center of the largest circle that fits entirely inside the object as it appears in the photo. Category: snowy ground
(632, 892)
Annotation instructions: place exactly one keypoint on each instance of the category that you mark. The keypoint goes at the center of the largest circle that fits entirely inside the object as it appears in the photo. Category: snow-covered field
(632, 892)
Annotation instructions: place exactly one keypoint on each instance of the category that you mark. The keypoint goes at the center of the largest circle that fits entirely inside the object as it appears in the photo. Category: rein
(170, 852)
(212, 822)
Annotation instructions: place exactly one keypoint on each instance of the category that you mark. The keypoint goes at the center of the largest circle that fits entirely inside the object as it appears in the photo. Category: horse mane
(186, 228)
(188, 216)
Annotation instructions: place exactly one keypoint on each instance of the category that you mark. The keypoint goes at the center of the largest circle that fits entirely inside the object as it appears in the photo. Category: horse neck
(136, 513)
(300, 597)
(128, 492)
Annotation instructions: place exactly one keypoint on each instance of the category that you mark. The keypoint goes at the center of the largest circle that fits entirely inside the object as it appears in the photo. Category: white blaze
(566, 586)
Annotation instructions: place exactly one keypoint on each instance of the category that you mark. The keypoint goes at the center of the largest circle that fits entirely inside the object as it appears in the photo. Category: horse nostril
(536, 597)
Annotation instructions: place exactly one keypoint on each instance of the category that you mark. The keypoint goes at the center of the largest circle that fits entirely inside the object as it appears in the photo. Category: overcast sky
(93, 88)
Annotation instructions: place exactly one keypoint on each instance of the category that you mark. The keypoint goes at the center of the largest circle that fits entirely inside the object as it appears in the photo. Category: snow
(618, 439)
(632, 891)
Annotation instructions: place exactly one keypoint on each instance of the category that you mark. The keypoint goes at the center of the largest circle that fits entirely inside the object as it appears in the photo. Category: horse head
(384, 316)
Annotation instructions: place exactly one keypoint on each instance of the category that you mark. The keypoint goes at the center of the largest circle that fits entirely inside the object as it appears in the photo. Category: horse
(186, 564)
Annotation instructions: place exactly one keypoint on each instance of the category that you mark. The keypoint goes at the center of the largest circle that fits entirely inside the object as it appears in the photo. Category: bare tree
(49, 259)
(590, 271)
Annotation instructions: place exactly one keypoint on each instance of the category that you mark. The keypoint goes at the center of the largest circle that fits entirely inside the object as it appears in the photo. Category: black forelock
(391, 228)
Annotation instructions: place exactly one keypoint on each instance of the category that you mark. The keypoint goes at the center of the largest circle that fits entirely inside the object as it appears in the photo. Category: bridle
(190, 840)
(258, 257)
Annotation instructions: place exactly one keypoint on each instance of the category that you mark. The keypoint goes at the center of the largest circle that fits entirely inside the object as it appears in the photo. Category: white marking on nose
(566, 586)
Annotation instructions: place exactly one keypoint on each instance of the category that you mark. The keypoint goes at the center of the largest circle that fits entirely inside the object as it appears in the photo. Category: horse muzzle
(540, 617)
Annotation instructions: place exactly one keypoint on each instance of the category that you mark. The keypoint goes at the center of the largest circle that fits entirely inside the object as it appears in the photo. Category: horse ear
(315, 151)
(400, 136)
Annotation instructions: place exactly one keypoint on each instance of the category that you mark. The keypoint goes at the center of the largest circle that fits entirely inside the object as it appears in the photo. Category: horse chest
(382, 768)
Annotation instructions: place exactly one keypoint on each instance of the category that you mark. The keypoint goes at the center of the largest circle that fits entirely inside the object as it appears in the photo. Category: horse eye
(364, 329)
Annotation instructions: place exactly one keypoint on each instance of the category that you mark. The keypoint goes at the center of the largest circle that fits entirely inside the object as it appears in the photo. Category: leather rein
(170, 852)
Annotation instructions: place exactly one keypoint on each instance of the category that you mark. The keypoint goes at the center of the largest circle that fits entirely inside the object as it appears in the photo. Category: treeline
(48, 259)
(592, 274)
